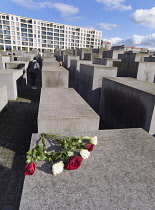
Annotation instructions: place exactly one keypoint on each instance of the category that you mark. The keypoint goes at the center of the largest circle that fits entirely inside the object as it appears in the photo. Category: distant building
(128, 48)
(106, 44)
(22, 33)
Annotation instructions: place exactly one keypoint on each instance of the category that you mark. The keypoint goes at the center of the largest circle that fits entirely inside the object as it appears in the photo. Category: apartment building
(22, 33)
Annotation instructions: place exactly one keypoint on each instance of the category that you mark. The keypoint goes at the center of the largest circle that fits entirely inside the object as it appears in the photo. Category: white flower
(93, 140)
(57, 168)
(84, 153)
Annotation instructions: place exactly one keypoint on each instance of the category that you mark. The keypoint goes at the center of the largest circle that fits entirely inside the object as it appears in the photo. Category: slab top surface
(134, 83)
(119, 174)
(63, 103)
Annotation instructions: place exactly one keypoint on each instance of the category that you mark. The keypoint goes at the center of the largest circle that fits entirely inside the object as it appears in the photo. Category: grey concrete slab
(62, 109)
(133, 57)
(90, 82)
(112, 54)
(27, 59)
(144, 71)
(67, 60)
(105, 61)
(3, 60)
(48, 54)
(3, 96)
(13, 79)
(128, 103)
(74, 72)
(56, 77)
(17, 65)
(50, 65)
(119, 174)
(92, 56)
(47, 59)
(82, 51)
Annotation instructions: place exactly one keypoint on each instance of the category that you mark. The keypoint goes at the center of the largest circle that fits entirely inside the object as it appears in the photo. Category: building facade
(22, 33)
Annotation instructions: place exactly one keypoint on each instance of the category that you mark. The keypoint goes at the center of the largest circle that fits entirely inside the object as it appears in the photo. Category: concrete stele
(127, 103)
(9, 78)
(62, 109)
(90, 82)
(119, 174)
(3, 96)
(56, 77)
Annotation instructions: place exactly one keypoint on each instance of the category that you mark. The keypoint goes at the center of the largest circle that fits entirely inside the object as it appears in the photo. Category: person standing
(33, 69)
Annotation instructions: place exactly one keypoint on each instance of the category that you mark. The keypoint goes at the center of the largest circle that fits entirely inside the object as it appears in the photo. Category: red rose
(89, 146)
(73, 162)
(30, 169)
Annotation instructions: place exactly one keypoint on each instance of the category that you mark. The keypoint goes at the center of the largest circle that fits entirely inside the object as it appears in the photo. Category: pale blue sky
(129, 22)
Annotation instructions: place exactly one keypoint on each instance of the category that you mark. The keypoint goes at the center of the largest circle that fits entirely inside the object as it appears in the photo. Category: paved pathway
(16, 127)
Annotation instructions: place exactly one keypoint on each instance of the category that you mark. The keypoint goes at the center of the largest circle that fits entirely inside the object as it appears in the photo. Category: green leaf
(39, 148)
(42, 157)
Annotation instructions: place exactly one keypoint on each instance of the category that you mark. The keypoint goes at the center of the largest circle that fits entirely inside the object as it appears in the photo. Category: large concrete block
(17, 65)
(105, 61)
(118, 175)
(13, 79)
(90, 82)
(144, 71)
(133, 57)
(82, 51)
(55, 77)
(67, 60)
(3, 60)
(112, 54)
(62, 109)
(149, 59)
(50, 65)
(27, 59)
(74, 72)
(65, 52)
(127, 103)
(92, 56)
(47, 59)
(3, 97)
(48, 54)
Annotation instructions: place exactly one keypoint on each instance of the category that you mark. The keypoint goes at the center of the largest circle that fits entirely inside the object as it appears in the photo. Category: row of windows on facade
(51, 25)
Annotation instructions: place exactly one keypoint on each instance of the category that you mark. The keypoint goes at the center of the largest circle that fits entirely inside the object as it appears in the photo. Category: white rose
(93, 140)
(57, 168)
(84, 153)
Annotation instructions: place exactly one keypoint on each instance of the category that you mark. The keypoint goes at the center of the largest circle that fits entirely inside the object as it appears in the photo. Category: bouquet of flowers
(71, 152)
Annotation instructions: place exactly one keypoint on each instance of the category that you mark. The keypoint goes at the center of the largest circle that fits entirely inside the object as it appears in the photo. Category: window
(43, 28)
(43, 32)
(56, 38)
(7, 37)
(24, 34)
(8, 47)
(6, 22)
(43, 45)
(1, 40)
(24, 43)
(49, 33)
(16, 18)
(55, 34)
(49, 37)
(7, 41)
(56, 30)
(24, 29)
(29, 26)
(30, 31)
(43, 37)
(50, 45)
(49, 29)
(6, 32)
(24, 25)
(24, 39)
(43, 41)
(6, 27)
(30, 35)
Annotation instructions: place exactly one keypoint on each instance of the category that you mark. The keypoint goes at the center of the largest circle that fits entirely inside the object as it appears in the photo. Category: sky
(128, 22)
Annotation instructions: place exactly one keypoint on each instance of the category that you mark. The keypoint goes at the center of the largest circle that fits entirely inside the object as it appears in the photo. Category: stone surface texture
(56, 77)
(119, 174)
(3, 96)
(62, 109)
(128, 103)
